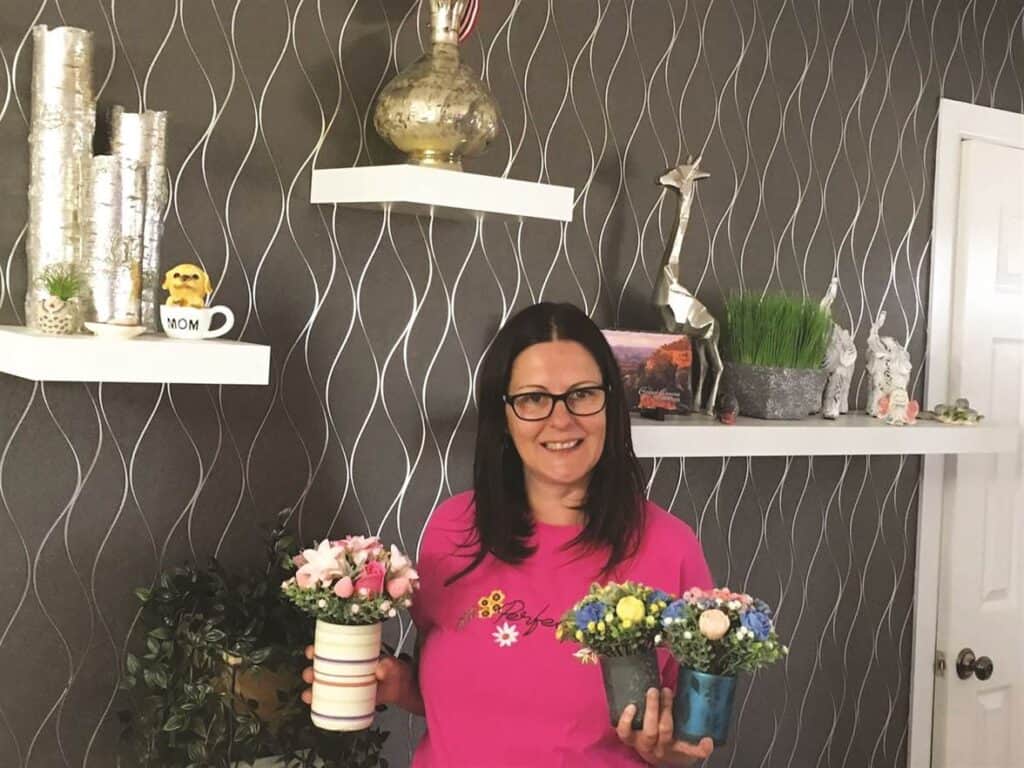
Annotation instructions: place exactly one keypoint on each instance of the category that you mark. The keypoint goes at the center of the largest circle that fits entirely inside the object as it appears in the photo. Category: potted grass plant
(774, 349)
(618, 627)
(715, 635)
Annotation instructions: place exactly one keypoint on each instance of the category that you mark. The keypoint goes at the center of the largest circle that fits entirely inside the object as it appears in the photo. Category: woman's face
(562, 449)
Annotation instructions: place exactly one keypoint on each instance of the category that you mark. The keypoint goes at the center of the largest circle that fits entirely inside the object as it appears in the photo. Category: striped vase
(344, 686)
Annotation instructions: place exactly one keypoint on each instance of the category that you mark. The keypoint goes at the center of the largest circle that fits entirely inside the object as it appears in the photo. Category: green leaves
(186, 704)
(776, 331)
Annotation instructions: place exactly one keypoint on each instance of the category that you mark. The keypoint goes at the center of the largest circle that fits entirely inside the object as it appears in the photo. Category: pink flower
(372, 578)
(368, 544)
(397, 587)
(343, 587)
(299, 561)
(402, 578)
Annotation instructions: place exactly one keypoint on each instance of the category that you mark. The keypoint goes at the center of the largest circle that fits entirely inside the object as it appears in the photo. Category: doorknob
(967, 664)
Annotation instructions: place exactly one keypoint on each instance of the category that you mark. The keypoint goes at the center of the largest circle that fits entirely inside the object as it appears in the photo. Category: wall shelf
(418, 190)
(147, 359)
(851, 435)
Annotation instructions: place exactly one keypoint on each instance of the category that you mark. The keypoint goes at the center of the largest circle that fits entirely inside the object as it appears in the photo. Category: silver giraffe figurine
(681, 311)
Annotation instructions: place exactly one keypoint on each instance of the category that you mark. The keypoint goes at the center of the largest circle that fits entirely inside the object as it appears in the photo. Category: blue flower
(759, 623)
(762, 607)
(674, 610)
(588, 613)
(658, 595)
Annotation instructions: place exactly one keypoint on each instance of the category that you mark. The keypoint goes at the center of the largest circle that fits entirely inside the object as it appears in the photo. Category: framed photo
(655, 369)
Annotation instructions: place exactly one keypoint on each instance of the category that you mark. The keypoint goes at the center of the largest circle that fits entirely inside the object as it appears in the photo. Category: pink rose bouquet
(352, 581)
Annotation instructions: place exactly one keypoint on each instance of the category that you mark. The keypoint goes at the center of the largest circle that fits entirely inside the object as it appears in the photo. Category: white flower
(355, 608)
(506, 635)
(687, 635)
(321, 603)
(586, 656)
(385, 605)
(399, 562)
(657, 639)
(406, 603)
(392, 613)
(320, 565)
(734, 605)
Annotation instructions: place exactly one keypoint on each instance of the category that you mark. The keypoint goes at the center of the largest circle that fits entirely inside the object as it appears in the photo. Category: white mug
(194, 322)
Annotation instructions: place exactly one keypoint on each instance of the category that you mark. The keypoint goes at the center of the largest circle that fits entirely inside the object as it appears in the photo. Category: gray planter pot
(775, 393)
(626, 681)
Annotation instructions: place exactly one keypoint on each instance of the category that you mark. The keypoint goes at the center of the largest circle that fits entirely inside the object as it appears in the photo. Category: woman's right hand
(395, 683)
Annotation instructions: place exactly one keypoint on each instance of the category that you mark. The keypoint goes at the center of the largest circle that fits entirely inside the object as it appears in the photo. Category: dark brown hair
(614, 503)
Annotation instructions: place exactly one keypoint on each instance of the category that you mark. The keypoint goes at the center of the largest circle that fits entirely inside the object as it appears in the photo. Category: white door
(979, 723)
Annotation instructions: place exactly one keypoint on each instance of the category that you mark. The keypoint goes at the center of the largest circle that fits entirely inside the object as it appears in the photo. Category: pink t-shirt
(499, 690)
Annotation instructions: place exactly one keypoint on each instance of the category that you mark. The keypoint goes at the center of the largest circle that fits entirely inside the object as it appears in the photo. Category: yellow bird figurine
(188, 285)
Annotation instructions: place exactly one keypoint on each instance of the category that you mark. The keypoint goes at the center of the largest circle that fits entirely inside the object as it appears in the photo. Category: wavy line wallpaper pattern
(817, 121)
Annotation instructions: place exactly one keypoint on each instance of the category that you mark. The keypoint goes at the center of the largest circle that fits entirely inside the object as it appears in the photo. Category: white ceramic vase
(344, 685)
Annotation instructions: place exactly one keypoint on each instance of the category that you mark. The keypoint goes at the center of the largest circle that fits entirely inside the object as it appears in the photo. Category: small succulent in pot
(59, 310)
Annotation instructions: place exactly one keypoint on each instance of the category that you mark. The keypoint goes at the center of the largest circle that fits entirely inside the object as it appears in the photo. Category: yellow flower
(497, 596)
(579, 635)
(630, 609)
(714, 624)
(558, 633)
(484, 613)
(484, 602)
(649, 621)
(600, 626)
(590, 626)
(626, 623)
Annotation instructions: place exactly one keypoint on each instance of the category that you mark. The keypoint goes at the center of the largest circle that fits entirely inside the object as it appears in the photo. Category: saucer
(111, 331)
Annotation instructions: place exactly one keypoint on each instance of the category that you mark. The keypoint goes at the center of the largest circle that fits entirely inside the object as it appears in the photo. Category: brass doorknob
(967, 664)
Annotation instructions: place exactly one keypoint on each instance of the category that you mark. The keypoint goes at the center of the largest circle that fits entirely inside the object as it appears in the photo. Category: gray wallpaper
(817, 122)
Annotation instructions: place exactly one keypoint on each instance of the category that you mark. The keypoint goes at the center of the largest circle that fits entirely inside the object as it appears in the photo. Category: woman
(557, 503)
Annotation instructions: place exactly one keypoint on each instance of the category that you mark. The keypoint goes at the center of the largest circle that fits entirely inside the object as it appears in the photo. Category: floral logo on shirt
(506, 635)
(490, 604)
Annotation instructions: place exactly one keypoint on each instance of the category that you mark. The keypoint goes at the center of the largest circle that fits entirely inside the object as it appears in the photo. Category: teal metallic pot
(702, 706)
(626, 681)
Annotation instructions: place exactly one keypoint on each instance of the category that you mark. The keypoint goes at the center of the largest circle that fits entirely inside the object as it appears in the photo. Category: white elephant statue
(888, 365)
(839, 362)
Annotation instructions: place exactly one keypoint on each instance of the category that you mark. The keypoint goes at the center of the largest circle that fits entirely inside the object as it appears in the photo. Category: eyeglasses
(537, 406)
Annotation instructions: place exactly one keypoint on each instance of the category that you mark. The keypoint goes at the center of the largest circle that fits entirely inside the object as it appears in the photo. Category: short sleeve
(440, 556)
(694, 571)
(428, 567)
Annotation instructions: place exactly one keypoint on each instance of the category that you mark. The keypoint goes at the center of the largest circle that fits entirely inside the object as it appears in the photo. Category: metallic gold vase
(438, 111)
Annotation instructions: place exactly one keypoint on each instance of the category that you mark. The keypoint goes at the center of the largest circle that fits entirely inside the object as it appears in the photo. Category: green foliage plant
(776, 331)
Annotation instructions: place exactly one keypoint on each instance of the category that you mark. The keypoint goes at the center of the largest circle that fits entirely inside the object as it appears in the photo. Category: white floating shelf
(450, 194)
(852, 435)
(147, 359)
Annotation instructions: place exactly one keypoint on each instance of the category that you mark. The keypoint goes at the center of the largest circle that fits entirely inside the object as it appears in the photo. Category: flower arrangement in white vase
(350, 586)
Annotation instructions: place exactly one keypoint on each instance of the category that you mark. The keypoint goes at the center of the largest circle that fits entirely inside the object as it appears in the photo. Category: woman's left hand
(655, 742)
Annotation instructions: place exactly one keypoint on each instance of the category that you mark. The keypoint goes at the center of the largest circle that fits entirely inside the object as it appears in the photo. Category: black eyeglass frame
(555, 399)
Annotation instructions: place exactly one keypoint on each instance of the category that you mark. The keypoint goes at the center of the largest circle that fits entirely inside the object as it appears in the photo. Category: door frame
(957, 121)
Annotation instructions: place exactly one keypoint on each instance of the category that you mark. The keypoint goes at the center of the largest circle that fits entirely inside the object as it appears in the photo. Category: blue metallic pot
(702, 706)
(626, 681)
